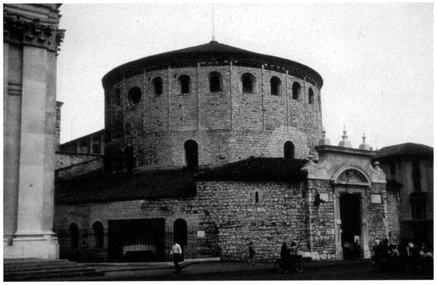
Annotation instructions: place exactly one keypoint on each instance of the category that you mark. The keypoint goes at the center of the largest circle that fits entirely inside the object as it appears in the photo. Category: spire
(213, 40)
(324, 140)
(345, 142)
(364, 145)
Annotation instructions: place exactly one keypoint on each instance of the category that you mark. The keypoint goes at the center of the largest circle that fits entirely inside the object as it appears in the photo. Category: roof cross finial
(213, 28)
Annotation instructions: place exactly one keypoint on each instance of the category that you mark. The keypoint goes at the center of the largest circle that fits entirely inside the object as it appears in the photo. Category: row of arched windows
(179, 229)
(98, 233)
(248, 83)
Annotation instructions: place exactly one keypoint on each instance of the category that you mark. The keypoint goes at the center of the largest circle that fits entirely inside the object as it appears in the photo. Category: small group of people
(413, 256)
(289, 257)
(352, 250)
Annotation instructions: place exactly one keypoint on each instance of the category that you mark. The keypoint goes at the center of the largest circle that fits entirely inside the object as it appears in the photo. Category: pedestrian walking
(176, 252)
(250, 261)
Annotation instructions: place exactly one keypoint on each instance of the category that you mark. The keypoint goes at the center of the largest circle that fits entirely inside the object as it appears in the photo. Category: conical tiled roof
(212, 53)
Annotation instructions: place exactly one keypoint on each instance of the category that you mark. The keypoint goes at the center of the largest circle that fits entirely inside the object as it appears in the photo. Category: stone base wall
(265, 213)
(321, 220)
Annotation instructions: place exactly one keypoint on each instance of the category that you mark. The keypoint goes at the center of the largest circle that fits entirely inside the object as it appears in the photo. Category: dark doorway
(136, 240)
(350, 215)
(180, 234)
(288, 150)
(191, 154)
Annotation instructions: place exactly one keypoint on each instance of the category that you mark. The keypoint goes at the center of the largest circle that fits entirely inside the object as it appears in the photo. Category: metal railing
(89, 245)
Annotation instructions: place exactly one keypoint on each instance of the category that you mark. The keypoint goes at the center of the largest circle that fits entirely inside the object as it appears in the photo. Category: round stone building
(209, 105)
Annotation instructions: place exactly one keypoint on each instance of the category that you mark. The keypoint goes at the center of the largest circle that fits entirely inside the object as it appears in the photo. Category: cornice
(33, 33)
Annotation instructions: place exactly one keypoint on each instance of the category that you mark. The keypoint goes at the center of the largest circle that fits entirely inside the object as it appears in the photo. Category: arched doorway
(180, 234)
(288, 150)
(191, 154)
(350, 210)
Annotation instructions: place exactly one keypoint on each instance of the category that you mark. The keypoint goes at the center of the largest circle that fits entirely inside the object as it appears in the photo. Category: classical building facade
(409, 169)
(217, 139)
(30, 45)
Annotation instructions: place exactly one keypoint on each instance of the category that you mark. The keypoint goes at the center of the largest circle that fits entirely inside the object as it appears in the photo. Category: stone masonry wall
(321, 221)
(228, 125)
(278, 216)
(377, 214)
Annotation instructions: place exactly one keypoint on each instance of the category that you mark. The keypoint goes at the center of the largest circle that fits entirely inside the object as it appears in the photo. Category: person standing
(285, 256)
(176, 252)
(251, 254)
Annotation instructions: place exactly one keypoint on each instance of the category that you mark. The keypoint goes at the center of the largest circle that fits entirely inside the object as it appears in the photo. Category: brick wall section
(227, 125)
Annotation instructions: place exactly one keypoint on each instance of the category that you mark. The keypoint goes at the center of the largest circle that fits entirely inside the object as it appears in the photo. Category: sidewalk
(120, 271)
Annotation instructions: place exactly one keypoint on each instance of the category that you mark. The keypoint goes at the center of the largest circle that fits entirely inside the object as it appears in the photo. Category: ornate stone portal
(31, 41)
(354, 182)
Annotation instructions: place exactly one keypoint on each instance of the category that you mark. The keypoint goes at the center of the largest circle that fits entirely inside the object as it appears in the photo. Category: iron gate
(89, 245)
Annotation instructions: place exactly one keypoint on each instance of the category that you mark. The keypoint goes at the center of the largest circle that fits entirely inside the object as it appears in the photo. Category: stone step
(40, 270)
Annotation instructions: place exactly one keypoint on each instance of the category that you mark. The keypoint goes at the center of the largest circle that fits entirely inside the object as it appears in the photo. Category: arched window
(74, 236)
(275, 86)
(215, 82)
(98, 234)
(191, 154)
(310, 96)
(134, 95)
(117, 96)
(248, 82)
(296, 90)
(288, 150)
(157, 85)
(184, 82)
(180, 232)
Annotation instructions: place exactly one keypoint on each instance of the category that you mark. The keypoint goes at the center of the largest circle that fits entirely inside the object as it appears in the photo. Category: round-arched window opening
(98, 234)
(74, 236)
(248, 82)
(135, 95)
(191, 154)
(184, 82)
(296, 91)
(215, 82)
(289, 150)
(311, 96)
(157, 85)
(275, 86)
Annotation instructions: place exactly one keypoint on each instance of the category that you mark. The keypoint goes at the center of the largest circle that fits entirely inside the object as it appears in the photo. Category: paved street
(239, 271)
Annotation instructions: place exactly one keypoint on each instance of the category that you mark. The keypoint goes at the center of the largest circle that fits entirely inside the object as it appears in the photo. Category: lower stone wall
(321, 220)
(266, 213)
(377, 214)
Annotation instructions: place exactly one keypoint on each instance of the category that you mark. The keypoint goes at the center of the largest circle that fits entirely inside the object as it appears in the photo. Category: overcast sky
(376, 60)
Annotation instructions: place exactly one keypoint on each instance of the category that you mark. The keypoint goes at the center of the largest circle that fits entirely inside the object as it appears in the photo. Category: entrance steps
(45, 270)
